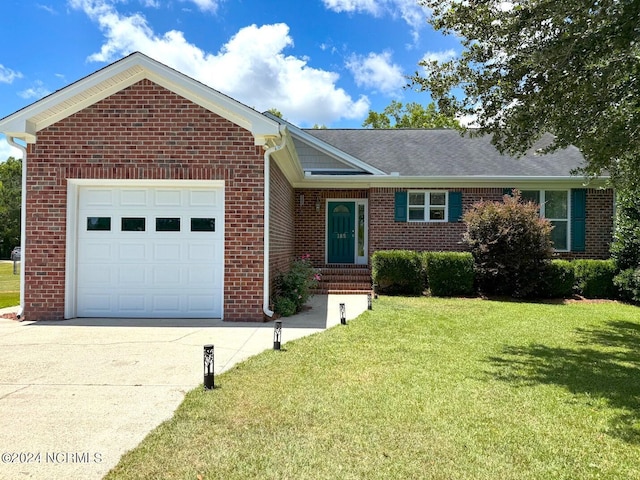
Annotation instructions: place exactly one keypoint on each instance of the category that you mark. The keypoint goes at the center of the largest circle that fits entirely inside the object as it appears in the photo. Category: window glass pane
(416, 214)
(361, 230)
(530, 196)
(203, 224)
(133, 224)
(99, 223)
(436, 214)
(416, 198)
(555, 204)
(438, 198)
(167, 224)
(559, 235)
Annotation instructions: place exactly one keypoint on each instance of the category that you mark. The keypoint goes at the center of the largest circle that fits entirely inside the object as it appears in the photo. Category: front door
(341, 232)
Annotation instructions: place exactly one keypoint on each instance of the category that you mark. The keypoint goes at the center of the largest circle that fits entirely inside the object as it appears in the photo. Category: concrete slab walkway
(75, 395)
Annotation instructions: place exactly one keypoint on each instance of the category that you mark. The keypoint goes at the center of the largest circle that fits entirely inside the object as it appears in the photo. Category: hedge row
(406, 272)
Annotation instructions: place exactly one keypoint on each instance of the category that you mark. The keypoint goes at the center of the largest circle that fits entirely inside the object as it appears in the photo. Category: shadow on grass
(607, 367)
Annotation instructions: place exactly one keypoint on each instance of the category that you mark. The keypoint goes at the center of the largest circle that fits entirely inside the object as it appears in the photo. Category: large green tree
(569, 67)
(10, 203)
(410, 115)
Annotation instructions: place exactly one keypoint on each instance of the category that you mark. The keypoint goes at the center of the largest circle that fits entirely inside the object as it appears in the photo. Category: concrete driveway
(77, 394)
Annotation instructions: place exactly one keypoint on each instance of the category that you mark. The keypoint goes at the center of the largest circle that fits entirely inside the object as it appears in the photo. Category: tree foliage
(10, 203)
(571, 68)
(511, 246)
(411, 115)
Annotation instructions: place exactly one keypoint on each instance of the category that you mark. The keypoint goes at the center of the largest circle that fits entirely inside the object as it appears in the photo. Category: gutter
(23, 221)
(267, 218)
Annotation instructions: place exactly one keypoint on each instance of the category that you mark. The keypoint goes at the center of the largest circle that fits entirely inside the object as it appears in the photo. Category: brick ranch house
(149, 194)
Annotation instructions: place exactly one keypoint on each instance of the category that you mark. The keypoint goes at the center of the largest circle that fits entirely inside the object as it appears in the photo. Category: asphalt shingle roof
(446, 153)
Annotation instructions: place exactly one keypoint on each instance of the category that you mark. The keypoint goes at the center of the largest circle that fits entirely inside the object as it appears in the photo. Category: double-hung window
(425, 206)
(554, 206)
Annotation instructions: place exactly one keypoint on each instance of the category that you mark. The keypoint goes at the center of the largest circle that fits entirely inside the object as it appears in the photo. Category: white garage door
(153, 252)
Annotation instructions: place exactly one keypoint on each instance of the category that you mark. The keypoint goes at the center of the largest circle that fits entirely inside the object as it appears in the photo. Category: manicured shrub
(511, 246)
(293, 288)
(594, 278)
(628, 284)
(450, 273)
(397, 272)
(559, 280)
(625, 248)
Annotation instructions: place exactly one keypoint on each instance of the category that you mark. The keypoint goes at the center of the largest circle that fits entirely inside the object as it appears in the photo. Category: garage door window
(99, 223)
(167, 224)
(133, 224)
(203, 224)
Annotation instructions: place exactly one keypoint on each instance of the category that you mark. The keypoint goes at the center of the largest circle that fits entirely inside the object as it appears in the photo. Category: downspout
(23, 220)
(267, 219)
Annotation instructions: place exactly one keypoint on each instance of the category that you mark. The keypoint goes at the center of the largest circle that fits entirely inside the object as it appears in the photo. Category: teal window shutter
(401, 207)
(578, 219)
(455, 206)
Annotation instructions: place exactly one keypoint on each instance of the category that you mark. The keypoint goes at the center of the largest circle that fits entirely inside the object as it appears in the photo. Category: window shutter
(578, 219)
(507, 191)
(455, 206)
(401, 207)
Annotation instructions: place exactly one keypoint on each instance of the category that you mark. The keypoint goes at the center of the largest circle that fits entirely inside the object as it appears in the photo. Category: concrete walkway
(77, 394)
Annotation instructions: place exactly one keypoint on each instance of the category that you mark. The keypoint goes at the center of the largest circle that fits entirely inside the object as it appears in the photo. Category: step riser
(344, 280)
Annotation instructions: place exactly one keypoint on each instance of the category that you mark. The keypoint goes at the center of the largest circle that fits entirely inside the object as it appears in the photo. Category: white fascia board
(368, 181)
(140, 67)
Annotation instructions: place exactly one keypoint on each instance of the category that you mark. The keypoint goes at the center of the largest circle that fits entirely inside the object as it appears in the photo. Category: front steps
(344, 279)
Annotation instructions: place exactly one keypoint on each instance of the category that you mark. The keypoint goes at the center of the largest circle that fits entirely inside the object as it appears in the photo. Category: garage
(150, 251)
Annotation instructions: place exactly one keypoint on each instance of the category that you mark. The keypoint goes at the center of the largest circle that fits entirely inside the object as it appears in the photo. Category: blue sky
(322, 62)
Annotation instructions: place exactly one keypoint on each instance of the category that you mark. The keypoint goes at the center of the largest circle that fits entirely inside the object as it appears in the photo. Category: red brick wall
(144, 132)
(282, 209)
(385, 233)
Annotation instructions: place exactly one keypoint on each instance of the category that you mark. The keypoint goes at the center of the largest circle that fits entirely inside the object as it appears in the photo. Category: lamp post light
(277, 334)
(343, 314)
(208, 367)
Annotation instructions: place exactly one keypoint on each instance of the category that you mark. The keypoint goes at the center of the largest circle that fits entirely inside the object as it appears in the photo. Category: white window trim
(543, 202)
(427, 206)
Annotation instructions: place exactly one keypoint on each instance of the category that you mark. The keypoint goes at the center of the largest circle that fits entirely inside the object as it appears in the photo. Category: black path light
(208, 367)
(343, 314)
(369, 304)
(277, 334)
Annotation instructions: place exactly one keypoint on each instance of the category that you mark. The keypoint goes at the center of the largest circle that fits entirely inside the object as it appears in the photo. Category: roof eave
(397, 181)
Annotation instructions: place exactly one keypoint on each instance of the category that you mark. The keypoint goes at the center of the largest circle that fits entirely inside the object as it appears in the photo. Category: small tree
(511, 246)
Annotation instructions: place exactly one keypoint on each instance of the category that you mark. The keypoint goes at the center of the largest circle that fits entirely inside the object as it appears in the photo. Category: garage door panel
(133, 198)
(205, 252)
(167, 252)
(92, 197)
(96, 252)
(168, 198)
(167, 275)
(142, 272)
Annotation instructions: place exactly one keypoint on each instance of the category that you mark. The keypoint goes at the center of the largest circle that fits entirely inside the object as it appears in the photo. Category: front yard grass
(9, 286)
(421, 388)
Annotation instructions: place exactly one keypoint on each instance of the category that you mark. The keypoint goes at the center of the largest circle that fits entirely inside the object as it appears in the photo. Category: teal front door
(341, 232)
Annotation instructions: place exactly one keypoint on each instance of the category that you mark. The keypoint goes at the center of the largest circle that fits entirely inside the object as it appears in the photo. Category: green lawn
(9, 285)
(421, 388)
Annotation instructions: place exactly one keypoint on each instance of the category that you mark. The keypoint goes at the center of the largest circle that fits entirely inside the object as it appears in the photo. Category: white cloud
(376, 71)
(251, 67)
(37, 91)
(441, 56)
(150, 3)
(410, 11)
(7, 150)
(7, 75)
(206, 5)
